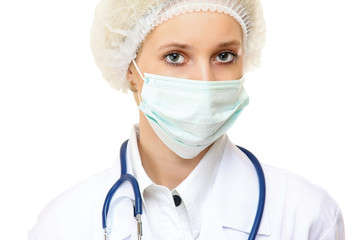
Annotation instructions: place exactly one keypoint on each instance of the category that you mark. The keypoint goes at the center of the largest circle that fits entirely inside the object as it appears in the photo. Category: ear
(131, 78)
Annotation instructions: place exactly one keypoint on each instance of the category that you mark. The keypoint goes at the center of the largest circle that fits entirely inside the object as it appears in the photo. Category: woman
(185, 63)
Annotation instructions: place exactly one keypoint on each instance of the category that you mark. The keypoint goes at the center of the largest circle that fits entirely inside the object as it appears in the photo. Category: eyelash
(181, 64)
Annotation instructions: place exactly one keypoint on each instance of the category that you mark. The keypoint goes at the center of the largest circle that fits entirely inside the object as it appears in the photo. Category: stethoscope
(138, 201)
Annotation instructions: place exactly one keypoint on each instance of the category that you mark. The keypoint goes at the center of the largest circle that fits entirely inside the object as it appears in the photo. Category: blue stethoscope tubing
(262, 192)
(138, 201)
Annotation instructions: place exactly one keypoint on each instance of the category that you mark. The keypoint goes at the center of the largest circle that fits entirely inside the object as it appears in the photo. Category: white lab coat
(294, 210)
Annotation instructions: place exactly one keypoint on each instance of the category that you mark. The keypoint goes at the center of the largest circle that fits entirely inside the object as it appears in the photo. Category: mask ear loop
(138, 70)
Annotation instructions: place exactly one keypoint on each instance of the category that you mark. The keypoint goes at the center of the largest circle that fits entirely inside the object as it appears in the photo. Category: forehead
(197, 28)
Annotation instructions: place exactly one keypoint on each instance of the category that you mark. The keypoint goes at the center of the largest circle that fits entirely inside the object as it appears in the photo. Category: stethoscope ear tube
(123, 158)
(124, 177)
(262, 192)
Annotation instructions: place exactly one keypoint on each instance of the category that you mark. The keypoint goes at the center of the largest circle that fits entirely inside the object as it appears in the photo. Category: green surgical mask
(189, 115)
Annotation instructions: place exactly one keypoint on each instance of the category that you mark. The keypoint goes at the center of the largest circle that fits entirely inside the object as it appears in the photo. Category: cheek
(140, 84)
(241, 62)
(229, 72)
(240, 66)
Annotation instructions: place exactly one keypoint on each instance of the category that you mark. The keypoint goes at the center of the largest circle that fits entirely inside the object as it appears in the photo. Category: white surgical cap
(120, 27)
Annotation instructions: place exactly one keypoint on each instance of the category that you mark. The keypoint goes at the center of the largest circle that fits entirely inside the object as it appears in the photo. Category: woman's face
(200, 46)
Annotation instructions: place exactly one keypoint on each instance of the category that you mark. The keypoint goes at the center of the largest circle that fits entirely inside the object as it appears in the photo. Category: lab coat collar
(235, 194)
(197, 186)
(138, 170)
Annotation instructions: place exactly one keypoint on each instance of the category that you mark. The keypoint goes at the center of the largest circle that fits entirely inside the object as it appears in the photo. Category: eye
(175, 58)
(226, 57)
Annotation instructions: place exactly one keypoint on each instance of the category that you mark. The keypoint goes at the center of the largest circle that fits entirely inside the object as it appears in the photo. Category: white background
(60, 122)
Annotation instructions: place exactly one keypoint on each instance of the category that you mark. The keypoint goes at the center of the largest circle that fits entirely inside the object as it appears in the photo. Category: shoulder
(309, 207)
(297, 189)
(282, 186)
(295, 208)
(77, 208)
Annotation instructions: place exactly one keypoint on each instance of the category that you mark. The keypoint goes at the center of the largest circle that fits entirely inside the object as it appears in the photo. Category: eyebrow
(230, 43)
(187, 46)
(175, 44)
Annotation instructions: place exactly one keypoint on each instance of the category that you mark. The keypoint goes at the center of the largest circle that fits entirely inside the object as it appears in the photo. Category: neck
(162, 165)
